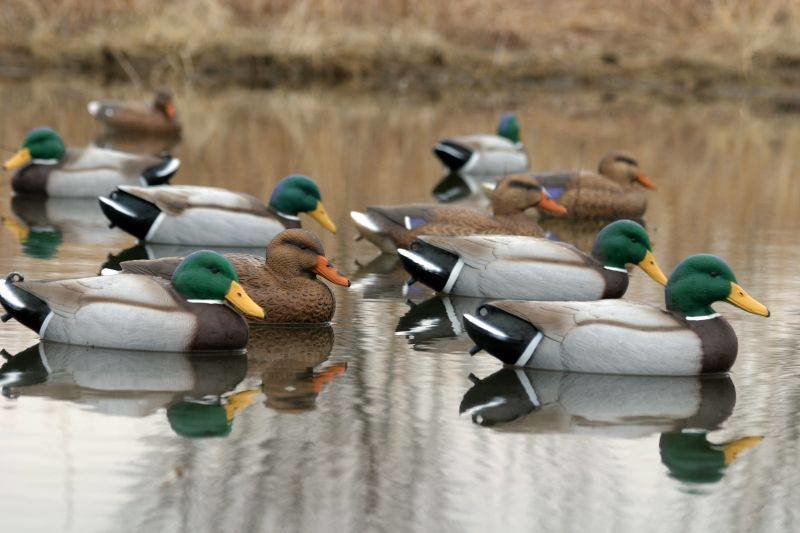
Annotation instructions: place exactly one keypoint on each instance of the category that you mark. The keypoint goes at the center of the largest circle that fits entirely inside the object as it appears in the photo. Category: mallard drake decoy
(390, 227)
(490, 155)
(530, 268)
(285, 285)
(45, 166)
(209, 216)
(614, 192)
(123, 311)
(158, 117)
(622, 337)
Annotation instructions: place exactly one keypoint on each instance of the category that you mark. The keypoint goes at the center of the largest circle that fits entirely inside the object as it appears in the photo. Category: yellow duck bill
(320, 215)
(20, 159)
(651, 268)
(239, 299)
(739, 297)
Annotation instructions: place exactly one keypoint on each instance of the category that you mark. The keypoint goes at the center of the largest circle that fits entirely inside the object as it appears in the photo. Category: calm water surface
(382, 422)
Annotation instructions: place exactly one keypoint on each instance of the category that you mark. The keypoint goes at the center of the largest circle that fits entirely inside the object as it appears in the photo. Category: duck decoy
(390, 227)
(156, 117)
(622, 337)
(189, 312)
(45, 166)
(285, 285)
(209, 216)
(615, 191)
(530, 268)
(493, 155)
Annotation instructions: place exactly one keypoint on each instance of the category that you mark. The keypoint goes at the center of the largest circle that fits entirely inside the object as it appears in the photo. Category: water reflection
(292, 362)
(437, 318)
(40, 224)
(682, 409)
(199, 393)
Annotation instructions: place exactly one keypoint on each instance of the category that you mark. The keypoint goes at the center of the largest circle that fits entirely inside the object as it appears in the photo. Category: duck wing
(159, 268)
(174, 199)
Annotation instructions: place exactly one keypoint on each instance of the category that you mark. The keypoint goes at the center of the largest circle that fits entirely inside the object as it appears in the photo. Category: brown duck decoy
(390, 227)
(614, 192)
(158, 117)
(286, 284)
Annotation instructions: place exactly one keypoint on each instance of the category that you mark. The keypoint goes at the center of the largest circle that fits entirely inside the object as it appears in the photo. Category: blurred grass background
(688, 44)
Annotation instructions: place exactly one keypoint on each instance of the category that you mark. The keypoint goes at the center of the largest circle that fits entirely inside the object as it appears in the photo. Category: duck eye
(633, 239)
(214, 270)
(714, 274)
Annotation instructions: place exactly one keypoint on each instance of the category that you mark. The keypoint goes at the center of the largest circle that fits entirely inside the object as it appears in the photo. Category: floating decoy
(622, 337)
(390, 227)
(209, 216)
(530, 268)
(616, 191)
(492, 155)
(157, 117)
(189, 312)
(285, 285)
(45, 166)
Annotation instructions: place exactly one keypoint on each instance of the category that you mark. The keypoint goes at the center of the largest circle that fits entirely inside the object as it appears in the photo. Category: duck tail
(130, 213)
(21, 305)
(452, 154)
(375, 228)
(435, 267)
(505, 336)
(161, 174)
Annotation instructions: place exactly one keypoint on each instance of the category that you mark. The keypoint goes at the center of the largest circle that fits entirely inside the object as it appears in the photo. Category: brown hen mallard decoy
(390, 227)
(285, 285)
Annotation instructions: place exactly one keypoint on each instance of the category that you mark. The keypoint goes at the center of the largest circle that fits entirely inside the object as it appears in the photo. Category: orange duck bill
(325, 269)
(548, 204)
(645, 181)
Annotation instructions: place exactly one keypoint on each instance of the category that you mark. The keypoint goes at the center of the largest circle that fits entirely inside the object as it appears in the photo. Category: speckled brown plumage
(285, 286)
(510, 199)
(613, 193)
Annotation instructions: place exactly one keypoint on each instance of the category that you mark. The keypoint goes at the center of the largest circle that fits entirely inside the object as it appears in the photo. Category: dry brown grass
(683, 42)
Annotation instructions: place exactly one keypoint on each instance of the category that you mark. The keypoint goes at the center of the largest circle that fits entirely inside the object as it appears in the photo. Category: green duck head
(626, 242)
(41, 143)
(700, 280)
(299, 194)
(207, 275)
(509, 127)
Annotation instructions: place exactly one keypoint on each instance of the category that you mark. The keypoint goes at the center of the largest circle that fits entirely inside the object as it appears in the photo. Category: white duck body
(526, 268)
(88, 172)
(617, 337)
(208, 216)
(124, 311)
(492, 155)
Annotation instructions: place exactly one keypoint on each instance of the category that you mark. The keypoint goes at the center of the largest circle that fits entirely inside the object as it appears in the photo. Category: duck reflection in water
(41, 223)
(202, 394)
(292, 362)
(683, 409)
(436, 319)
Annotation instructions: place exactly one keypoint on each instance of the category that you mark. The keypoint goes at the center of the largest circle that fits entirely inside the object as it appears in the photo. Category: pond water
(382, 421)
